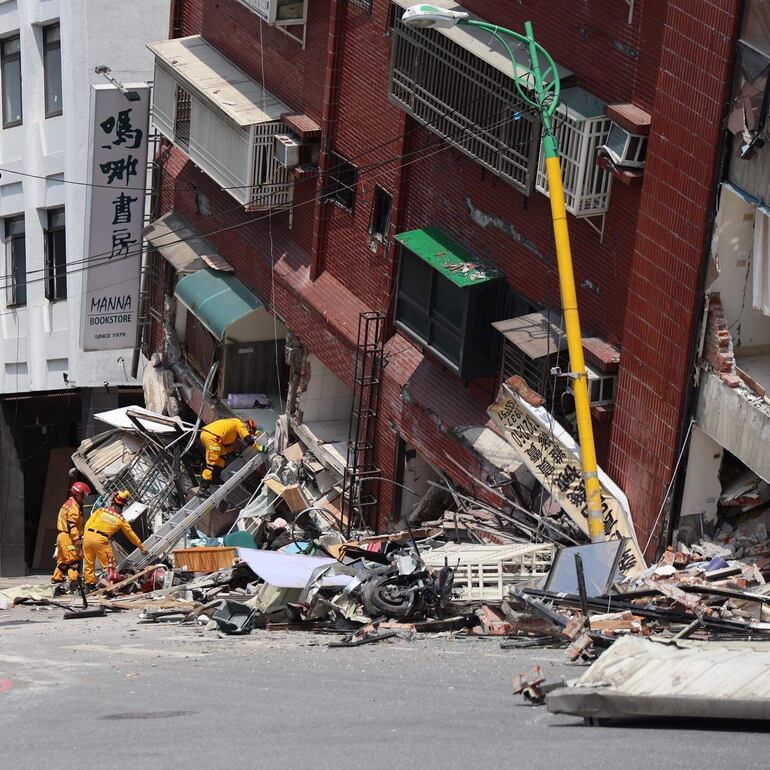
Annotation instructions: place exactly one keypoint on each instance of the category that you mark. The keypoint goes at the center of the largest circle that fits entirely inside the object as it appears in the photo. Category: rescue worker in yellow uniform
(100, 527)
(219, 439)
(69, 541)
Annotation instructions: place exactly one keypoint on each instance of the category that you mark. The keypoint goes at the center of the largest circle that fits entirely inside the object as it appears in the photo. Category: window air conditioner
(287, 150)
(625, 148)
(601, 387)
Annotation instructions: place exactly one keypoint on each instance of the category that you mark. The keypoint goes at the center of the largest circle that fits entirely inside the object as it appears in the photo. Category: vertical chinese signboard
(553, 457)
(114, 217)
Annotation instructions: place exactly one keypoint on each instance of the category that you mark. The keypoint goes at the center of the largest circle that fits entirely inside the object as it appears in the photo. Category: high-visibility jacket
(107, 521)
(70, 520)
(224, 432)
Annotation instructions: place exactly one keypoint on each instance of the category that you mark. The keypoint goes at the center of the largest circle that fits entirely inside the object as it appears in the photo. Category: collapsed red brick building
(395, 146)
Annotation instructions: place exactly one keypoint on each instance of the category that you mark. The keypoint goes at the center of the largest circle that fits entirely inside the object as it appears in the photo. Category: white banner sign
(114, 219)
(553, 457)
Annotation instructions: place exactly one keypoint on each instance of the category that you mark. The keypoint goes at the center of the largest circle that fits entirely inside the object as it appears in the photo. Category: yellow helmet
(122, 497)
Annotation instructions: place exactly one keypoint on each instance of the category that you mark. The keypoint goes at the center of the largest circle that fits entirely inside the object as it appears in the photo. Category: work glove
(261, 448)
(144, 550)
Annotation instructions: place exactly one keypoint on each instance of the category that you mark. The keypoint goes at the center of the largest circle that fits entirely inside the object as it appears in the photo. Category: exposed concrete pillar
(11, 500)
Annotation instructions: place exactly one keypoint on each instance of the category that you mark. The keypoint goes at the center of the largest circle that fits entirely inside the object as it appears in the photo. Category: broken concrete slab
(640, 677)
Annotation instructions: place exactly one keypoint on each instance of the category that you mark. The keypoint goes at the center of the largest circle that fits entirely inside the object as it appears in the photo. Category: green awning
(450, 258)
(216, 299)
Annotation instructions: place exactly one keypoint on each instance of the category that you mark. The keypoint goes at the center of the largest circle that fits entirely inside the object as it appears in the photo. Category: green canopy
(450, 258)
(216, 298)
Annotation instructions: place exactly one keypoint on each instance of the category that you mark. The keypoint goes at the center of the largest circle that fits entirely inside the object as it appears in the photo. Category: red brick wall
(637, 289)
(185, 18)
(295, 76)
(674, 218)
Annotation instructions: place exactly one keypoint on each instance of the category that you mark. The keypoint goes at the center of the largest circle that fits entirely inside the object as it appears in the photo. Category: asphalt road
(113, 693)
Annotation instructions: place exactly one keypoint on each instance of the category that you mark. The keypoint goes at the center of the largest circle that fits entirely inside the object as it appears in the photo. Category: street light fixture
(542, 95)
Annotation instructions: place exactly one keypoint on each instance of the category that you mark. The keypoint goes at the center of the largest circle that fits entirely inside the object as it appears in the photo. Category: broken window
(748, 116)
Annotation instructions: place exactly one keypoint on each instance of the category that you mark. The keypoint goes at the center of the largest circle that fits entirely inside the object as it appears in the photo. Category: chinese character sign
(553, 457)
(114, 219)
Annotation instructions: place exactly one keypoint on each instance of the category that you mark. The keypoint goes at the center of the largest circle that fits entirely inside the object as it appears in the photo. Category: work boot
(73, 588)
(91, 587)
(59, 589)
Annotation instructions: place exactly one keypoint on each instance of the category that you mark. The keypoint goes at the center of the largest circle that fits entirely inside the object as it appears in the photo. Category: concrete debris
(271, 547)
(649, 678)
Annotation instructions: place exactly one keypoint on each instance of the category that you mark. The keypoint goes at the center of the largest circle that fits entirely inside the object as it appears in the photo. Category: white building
(48, 51)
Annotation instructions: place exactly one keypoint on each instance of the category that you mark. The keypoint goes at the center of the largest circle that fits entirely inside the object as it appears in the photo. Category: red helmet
(80, 490)
(121, 498)
(252, 426)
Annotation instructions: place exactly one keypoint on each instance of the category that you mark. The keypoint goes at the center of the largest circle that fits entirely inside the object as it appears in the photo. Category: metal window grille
(586, 184)
(536, 372)
(273, 183)
(240, 159)
(366, 5)
(182, 118)
(161, 283)
(466, 101)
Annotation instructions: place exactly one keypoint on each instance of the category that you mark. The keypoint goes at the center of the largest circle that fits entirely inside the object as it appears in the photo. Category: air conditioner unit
(601, 387)
(625, 148)
(287, 150)
(279, 12)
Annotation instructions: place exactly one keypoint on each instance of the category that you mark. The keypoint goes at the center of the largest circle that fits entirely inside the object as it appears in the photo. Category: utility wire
(523, 110)
(237, 225)
(106, 257)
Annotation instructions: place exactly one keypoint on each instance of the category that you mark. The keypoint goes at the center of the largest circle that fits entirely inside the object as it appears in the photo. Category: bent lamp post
(540, 90)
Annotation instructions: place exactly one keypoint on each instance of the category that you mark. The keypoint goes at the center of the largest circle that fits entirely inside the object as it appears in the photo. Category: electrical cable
(106, 257)
(368, 151)
(88, 262)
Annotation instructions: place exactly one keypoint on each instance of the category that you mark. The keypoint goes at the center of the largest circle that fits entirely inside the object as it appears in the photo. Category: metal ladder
(161, 542)
(360, 491)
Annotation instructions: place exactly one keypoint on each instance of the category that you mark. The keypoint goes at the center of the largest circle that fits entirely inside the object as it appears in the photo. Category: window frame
(15, 287)
(434, 319)
(339, 191)
(48, 47)
(55, 263)
(4, 60)
(380, 194)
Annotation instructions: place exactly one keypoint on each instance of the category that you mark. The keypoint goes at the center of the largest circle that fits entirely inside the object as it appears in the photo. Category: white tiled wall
(326, 396)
